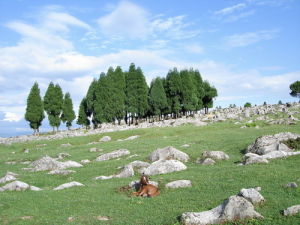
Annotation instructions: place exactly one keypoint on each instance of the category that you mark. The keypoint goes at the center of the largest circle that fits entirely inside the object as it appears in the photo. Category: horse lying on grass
(146, 189)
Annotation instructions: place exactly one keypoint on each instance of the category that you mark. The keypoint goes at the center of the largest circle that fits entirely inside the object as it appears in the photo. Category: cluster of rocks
(210, 157)
(236, 207)
(270, 147)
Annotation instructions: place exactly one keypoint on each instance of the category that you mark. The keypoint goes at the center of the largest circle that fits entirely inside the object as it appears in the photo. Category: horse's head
(144, 179)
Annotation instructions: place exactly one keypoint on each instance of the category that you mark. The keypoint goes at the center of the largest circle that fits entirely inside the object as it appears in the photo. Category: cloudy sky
(248, 49)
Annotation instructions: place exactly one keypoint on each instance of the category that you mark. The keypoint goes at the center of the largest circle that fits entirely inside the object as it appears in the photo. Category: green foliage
(53, 102)
(198, 87)
(280, 102)
(265, 103)
(91, 97)
(157, 97)
(252, 124)
(293, 143)
(210, 92)
(247, 104)
(68, 114)
(83, 114)
(295, 89)
(35, 109)
(189, 98)
(173, 90)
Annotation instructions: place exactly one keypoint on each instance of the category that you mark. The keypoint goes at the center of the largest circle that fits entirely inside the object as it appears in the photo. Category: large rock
(234, 208)
(68, 185)
(168, 153)
(252, 195)
(164, 166)
(216, 155)
(268, 143)
(179, 184)
(48, 163)
(112, 155)
(291, 210)
(9, 176)
(206, 161)
(61, 172)
(251, 158)
(126, 172)
(15, 186)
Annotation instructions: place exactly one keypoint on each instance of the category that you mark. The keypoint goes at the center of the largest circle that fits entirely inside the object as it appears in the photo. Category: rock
(85, 161)
(252, 195)
(206, 161)
(291, 210)
(9, 176)
(168, 153)
(104, 177)
(269, 143)
(136, 184)
(164, 166)
(25, 162)
(93, 143)
(11, 163)
(234, 208)
(112, 155)
(95, 150)
(63, 155)
(216, 155)
(48, 163)
(179, 184)
(105, 139)
(139, 164)
(251, 158)
(103, 218)
(61, 172)
(185, 145)
(126, 172)
(15, 186)
(34, 188)
(26, 151)
(26, 217)
(132, 138)
(291, 185)
(66, 145)
(68, 185)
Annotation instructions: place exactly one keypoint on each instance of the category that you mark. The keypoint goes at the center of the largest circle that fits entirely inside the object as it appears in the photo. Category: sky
(248, 49)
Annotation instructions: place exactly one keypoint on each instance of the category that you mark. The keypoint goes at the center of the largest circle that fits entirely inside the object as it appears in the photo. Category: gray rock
(185, 145)
(34, 188)
(61, 172)
(9, 176)
(126, 172)
(85, 161)
(206, 161)
(252, 195)
(105, 139)
(164, 166)
(68, 185)
(168, 153)
(15, 186)
(179, 184)
(95, 150)
(132, 138)
(48, 163)
(112, 155)
(291, 185)
(139, 164)
(66, 145)
(234, 208)
(251, 158)
(63, 155)
(104, 177)
(216, 155)
(291, 210)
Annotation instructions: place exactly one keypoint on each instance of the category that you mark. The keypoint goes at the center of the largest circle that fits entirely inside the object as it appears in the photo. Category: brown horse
(146, 189)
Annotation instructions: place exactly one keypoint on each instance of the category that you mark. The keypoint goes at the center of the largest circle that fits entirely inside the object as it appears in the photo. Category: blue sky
(248, 49)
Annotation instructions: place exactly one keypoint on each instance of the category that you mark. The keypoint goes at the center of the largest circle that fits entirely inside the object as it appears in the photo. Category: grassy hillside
(211, 184)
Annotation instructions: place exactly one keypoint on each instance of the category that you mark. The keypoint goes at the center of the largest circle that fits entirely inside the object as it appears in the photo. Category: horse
(146, 189)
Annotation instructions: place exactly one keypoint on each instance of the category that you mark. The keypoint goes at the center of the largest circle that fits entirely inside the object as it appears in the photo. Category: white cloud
(127, 19)
(12, 117)
(245, 39)
(231, 9)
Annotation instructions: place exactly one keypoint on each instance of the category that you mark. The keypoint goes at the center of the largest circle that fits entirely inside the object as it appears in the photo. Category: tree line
(123, 95)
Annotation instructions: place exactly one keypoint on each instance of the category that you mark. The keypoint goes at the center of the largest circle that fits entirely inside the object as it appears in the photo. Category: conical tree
(34, 110)
(53, 101)
(198, 85)
(210, 92)
(68, 114)
(157, 97)
(91, 97)
(82, 114)
(188, 92)
(173, 91)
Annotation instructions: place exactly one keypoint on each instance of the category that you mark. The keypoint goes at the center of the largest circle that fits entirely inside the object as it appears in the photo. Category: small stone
(26, 217)
(291, 210)
(105, 139)
(206, 161)
(179, 184)
(68, 185)
(66, 145)
(85, 161)
(103, 218)
(291, 185)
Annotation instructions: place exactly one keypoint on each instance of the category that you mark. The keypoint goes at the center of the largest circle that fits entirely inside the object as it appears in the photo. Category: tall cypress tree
(198, 85)
(188, 92)
(82, 114)
(53, 101)
(68, 114)
(91, 97)
(157, 97)
(173, 91)
(34, 110)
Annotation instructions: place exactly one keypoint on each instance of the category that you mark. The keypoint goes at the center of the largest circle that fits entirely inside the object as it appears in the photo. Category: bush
(247, 104)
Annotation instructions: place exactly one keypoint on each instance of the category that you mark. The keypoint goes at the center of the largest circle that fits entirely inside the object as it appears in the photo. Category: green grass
(211, 184)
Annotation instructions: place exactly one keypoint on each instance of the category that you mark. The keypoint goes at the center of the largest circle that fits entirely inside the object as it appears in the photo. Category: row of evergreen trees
(119, 95)
(58, 107)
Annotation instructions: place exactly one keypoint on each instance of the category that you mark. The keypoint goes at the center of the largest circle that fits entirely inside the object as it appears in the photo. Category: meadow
(211, 184)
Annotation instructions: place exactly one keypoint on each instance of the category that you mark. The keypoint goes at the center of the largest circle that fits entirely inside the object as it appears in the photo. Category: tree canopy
(295, 89)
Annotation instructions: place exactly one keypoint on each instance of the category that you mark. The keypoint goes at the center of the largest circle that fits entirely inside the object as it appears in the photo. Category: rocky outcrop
(164, 166)
(179, 184)
(9, 176)
(234, 208)
(206, 161)
(105, 139)
(168, 153)
(112, 155)
(291, 210)
(215, 155)
(18, 186)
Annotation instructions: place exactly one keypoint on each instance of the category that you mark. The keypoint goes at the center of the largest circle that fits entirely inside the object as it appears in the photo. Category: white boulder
(112, 155)
(68, 185)
(179, 184)
(168, 153)
(164, 166)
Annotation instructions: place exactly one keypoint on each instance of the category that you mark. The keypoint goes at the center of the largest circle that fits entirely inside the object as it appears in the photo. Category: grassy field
(211, 184)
